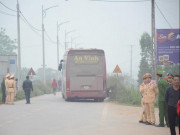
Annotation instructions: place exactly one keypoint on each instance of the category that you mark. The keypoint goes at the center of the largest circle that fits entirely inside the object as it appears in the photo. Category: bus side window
(60, 65)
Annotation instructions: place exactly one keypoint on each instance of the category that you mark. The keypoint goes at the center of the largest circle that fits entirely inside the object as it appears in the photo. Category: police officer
(143, 117)
(27, 87)
(162, 87)
(150, 98)
(7, 93)
(170, 79)
(11, 86)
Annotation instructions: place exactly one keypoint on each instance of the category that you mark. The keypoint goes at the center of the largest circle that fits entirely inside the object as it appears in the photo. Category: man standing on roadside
(143, 117)
(162, 87)
(150, 98)
(7, 93)
(27, 87)
(171, 98)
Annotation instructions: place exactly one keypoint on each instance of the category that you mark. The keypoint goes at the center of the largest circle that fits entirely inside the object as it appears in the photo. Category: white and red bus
(83, 74)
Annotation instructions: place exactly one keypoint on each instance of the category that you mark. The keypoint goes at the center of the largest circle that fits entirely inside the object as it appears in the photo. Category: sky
(111, 26)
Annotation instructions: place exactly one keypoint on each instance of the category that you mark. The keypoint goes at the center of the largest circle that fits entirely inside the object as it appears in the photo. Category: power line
(2, 12)
(30, 27)
(49, 37)
(7, 7)
(163, 16)
(29, 23)
(48, 40)
(120, 1)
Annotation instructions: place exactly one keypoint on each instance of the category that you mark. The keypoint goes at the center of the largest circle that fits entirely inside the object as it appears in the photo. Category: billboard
(8, 64)
(168, 46)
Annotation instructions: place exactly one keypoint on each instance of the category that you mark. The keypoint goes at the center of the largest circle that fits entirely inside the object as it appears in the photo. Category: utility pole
(57, 49)
(153, 41)
(44, 80)
(19, 46)
(131, 67)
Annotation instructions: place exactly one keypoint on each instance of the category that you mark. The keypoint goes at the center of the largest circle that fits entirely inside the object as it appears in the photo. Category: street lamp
(43, 49)
(58, 29)
(66, 34)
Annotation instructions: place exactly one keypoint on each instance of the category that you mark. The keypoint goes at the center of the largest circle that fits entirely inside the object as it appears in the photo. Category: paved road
(51, 115)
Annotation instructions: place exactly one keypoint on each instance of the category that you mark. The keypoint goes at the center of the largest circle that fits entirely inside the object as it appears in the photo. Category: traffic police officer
(162, 87)
(6, 81)
(11, 86)
(143, 117)
(150, 98)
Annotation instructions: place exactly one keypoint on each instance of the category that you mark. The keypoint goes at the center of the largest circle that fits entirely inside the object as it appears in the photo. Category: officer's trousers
(150, 113)
(7, 96)
(163, 113)
(143, 114)
(11, 97)
(3, 96)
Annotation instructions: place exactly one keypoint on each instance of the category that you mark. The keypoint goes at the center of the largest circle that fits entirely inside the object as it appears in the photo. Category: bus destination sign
(86, 59)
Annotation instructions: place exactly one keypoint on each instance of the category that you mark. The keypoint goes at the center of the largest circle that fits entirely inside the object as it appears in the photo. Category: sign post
(31, 73)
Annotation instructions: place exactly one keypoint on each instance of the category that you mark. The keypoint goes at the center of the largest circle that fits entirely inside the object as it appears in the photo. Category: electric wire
(49, 37)
(120, 1)
(29, 23)
(34, 29)
(2, 12)
(163, 15)
(30, 27)
(7, 7)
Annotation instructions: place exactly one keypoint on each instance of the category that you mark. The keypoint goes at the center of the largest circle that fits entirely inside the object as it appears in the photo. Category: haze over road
(51, 115)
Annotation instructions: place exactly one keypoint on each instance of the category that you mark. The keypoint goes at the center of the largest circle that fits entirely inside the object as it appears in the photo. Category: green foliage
(172, 69)
(7, 45)
(24, 72)
(50, 73)
(146, 56)
(122, 91)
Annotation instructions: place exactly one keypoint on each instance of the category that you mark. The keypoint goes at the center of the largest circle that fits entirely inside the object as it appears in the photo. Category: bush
(121, 90)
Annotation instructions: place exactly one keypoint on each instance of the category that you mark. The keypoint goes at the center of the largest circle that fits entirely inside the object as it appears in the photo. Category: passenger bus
(83, 74)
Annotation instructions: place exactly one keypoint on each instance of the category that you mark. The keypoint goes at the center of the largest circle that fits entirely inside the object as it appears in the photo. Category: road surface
(51, 115)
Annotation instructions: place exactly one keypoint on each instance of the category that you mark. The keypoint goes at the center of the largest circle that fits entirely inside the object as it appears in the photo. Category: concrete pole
(65, 42)
(43, 49)
(19, 46)
(131, 68)
(57, 50)
(153, 41)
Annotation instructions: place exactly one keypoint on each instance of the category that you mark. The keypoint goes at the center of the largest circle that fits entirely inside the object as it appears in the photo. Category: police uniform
(143, 117)
(11, 86)
(150, 98)
(7, 93)
(162, 87)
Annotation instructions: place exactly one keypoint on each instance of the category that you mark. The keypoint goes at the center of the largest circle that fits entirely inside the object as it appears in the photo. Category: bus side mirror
(60, 65)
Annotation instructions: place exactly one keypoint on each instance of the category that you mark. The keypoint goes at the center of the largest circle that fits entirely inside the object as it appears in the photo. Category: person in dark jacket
(27, 87)
(3, 88)
(171, 97)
